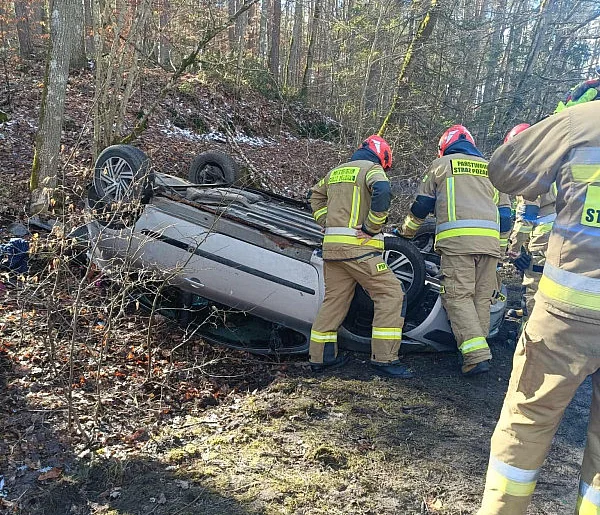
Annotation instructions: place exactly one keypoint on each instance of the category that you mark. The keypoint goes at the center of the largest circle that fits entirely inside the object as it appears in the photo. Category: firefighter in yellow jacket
(468, 228)
(558, 347)
(532, 233)
(351, 202)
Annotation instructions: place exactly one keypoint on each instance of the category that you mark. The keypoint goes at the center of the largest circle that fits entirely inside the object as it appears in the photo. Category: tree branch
(185, 63)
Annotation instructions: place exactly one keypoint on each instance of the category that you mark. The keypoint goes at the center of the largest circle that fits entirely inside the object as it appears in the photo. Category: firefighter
(468, 228)
(558, 347)
(351, 203)
(531, 232)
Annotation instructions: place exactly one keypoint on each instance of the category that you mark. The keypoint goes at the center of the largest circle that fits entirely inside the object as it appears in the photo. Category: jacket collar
(463, 147)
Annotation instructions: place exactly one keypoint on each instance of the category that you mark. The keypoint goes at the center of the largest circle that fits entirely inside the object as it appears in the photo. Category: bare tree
(78, 54)
(275, 39)
(23, 29)
(311, 49)
(44, 173)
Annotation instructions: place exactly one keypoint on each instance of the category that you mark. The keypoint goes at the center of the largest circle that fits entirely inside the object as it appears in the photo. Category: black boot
(393, 369)
(342, 359)
(480, 368)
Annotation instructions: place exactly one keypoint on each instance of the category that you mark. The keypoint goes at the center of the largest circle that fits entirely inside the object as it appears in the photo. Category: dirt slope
(219, 432)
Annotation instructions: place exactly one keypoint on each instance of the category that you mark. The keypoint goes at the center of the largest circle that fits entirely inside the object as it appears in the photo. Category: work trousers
(553, 357)
(385, 290)
(468, 284)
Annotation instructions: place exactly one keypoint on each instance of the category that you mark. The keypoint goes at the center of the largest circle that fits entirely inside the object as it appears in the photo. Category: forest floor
(207, 430)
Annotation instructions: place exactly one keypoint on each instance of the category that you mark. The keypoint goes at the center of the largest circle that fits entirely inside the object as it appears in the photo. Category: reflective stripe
(504, 242)
(473, 344)
(511, 480)
(387, 333)
(545, 219)
(586, 173)
(467, 232)
(571, 288)
(353, 222)
(376, 219)
(410, 223)
(320, 337)
(496, 196)
(588, 501)
(353, 240)
(451, 200)
(319, 213)
(347, 231)
(586, 164)
(375, 172)
(459, 224)
(543, 229)
(525, 229)
(585, 155)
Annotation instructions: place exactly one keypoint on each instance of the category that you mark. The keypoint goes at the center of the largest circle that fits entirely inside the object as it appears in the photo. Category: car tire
(424, 238)
(122, 173)
(404, 259)
(215, 168)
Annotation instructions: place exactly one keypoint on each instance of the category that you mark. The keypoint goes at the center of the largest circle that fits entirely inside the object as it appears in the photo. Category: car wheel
(122, 174)
(405, 260)
(424, 238)
(407, 263)
(214, 168)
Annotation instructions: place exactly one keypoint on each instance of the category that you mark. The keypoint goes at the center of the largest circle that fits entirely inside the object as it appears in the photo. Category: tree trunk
(44, 173)
(311, 50)
(231, 8)
(164, 46)
(78, 55)
(275, 40)
(252, 43)
(293, 64)
(23, 29)
(264, 29)
(88, 29)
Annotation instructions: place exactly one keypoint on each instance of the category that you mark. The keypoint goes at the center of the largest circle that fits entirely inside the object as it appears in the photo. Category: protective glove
(397, 231)
(522, 261)
(584, 92)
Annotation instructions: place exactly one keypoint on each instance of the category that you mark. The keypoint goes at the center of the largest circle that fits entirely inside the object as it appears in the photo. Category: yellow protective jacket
(466, 211)
(545, 208)
(342, 202)
(563, 149)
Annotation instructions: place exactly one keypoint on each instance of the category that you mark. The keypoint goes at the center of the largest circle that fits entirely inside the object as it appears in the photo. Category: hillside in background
(289, 145)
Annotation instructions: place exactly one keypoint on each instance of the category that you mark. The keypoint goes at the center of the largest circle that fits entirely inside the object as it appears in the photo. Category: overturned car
(250, 255)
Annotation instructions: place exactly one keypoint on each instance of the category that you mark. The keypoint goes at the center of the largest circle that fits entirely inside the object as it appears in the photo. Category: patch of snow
(171, 130)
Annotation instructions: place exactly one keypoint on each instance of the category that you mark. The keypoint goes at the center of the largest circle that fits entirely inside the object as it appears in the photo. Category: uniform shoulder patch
(382, 267)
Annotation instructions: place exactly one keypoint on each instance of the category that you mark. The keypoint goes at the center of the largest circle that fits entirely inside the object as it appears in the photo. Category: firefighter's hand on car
(400, 232)
(362, 235)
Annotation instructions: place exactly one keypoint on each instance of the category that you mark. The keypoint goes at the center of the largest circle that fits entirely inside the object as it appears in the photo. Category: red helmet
(380, 148)
(452, 135)
(516, 130)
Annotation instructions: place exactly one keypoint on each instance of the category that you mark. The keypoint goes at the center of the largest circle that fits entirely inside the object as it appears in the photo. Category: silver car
(252, 255)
